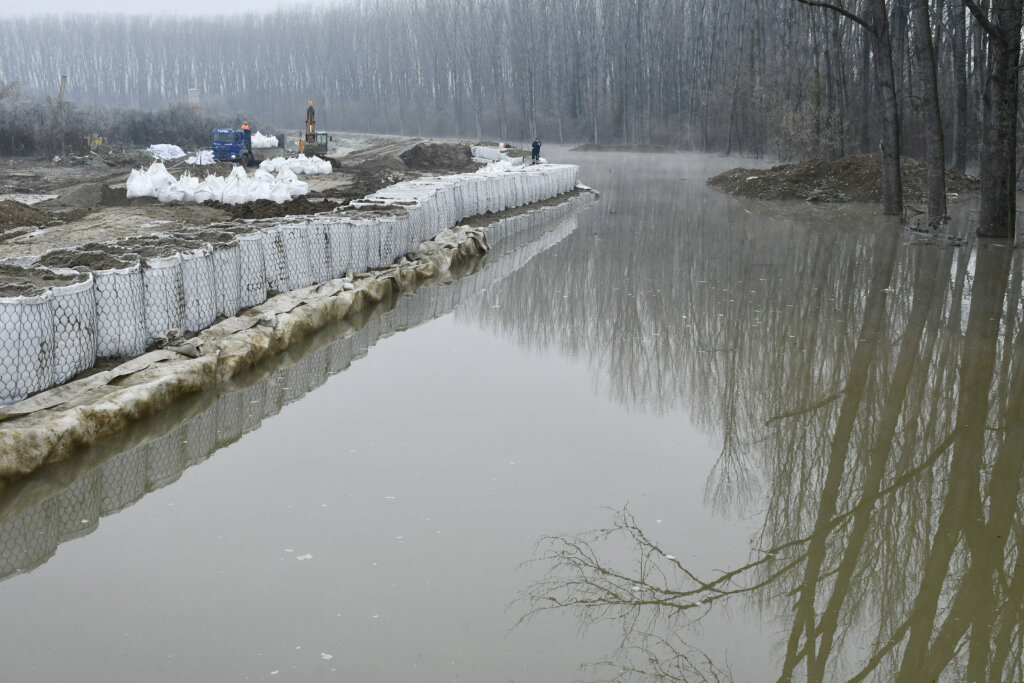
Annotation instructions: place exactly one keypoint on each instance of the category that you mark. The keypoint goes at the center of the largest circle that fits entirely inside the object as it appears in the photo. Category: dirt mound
(439, 157)
(15, 215)
(18, 281)
(362, 183)
(856, 178)
(75, 258)
(591, 147)
(264, 208)
(92, 195)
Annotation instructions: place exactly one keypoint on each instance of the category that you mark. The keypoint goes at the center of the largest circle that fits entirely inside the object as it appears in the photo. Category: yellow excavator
(315, 143)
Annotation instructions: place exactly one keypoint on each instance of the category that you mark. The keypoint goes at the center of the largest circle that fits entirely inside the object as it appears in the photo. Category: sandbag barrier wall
(31, 536)
(155, 297)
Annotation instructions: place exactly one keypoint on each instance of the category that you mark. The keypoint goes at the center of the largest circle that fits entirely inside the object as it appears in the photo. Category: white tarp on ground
(260, 141)
(237, 188)
(166, 151)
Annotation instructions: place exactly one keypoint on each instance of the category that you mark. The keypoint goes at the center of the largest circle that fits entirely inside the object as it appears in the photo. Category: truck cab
(232, 144)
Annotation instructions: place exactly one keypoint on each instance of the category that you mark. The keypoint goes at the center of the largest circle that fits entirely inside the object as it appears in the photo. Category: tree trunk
(892, 187)
(934, 144)
(865, 98)
(960, 80)
(999, 152)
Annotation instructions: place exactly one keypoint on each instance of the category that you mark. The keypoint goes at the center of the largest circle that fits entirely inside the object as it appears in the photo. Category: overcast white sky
(186, 7)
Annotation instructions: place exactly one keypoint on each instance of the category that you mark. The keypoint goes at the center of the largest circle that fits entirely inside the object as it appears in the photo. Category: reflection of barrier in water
(30, 537)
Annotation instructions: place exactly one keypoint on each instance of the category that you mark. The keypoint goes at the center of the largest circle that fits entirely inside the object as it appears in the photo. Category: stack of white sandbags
(301, 164)
(260, 141)
(237, 188)
(166, 151)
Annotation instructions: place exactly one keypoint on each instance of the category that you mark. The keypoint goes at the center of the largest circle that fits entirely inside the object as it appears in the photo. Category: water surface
(797, 425)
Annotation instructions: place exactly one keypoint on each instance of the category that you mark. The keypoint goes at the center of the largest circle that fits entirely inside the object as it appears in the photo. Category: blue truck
(232, 144)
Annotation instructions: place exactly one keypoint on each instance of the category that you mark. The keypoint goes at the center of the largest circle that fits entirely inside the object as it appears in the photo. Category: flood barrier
(110, 479)
(183, 291)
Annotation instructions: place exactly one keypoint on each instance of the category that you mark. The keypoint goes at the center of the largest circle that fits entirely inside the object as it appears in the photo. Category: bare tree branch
(979, 15)
(841, 10)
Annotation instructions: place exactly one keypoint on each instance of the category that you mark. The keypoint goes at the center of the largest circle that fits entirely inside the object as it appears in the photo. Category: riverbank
(54, 424)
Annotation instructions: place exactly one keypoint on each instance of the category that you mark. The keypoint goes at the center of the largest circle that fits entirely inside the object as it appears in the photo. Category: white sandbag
(164, 296)
(171, 193)
(139, 184)
(297, 258)
(188, 186)
(339, 234)
(360, 232)
(74, 329)
(159, 176)
(279, 193)
(252, 278)
(319, 251)
(198, 275)
(26, 346)
(120, 311)
(274, 260)
(384, 227)
(232, 193)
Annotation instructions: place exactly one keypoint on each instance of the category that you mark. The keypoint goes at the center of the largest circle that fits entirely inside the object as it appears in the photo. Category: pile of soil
(363, 183)
(264, 208)
(84, 258)
(18, 281)
(856, 178)
(15, 215)
(439, 157)
(92, 195)
(591, 147)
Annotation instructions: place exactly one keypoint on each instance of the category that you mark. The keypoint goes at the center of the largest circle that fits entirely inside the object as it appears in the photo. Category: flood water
(688, 436)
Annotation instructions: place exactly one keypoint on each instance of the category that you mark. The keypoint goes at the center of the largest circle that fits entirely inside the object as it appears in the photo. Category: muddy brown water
(809, 416)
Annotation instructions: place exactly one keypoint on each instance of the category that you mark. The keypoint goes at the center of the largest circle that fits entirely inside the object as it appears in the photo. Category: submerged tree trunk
(934, 142)
(999, 149)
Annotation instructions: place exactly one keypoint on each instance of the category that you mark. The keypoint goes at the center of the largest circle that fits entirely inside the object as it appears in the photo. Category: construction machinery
(315, 143)
(232, 144)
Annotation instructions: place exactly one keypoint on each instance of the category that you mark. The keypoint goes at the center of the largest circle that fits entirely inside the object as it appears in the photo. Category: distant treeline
(33, 126)
(755, 76)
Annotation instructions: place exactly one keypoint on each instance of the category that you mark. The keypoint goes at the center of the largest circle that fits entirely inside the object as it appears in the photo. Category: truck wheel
(247, 160)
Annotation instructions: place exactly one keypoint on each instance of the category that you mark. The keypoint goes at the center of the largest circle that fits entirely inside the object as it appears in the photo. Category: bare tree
(876, 23)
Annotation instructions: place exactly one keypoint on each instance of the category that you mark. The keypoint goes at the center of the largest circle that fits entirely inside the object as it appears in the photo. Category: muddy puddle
(724, 424)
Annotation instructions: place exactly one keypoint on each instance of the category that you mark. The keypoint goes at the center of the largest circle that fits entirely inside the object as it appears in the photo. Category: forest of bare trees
(758, 77)
(935, 79)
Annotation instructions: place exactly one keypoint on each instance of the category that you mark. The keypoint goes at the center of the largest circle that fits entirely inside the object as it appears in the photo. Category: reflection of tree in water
(871, 388)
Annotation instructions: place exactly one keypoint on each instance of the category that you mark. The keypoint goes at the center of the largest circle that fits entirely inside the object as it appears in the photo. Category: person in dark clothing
(536, 151)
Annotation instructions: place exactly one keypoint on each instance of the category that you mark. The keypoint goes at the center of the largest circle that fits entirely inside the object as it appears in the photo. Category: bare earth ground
(91, 204)
(855, 178)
